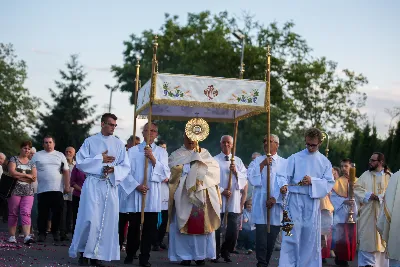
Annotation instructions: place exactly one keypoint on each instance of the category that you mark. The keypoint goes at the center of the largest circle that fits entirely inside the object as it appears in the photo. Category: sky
(360, 35)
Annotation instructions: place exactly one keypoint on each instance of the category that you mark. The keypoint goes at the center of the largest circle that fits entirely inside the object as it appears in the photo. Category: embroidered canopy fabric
(180, 97)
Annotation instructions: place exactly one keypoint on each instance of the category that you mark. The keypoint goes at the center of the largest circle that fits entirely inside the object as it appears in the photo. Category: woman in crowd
(77, 180)
(24, 171)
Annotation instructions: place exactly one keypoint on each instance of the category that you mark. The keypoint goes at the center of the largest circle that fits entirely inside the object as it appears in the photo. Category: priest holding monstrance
(194, 200)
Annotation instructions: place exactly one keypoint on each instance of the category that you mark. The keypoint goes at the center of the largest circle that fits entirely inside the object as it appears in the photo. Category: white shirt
(130, 200)
(48, 165)
(259, 181)
(238, 183)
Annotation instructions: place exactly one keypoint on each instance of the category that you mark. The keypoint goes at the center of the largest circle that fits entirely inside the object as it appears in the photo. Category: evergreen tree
(70, 117)
(393, 159)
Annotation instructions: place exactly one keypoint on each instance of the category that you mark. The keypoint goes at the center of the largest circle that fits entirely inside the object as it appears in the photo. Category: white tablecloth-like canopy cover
(181, 97)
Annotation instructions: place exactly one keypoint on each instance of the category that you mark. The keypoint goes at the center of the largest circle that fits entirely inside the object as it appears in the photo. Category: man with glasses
(257, 175)
(132, 190)
(231, 198)
(104, 160)
(309, 179)
(369, 191)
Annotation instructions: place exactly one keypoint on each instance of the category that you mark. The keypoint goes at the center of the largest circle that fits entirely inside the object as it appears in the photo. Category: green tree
(204, 46)
(70, 117)
(17, 106)
(394, 156)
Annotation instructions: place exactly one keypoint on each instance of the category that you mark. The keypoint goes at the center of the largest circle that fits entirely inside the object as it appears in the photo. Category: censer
(286, 223)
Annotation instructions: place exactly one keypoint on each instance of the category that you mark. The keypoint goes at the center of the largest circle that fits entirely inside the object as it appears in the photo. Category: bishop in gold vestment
(194, 204)
(369, 191)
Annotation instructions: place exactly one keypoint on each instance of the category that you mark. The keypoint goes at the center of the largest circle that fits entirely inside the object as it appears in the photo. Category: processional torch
(352, 180)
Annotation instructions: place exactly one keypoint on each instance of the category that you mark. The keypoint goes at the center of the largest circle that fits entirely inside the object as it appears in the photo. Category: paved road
(48, 254)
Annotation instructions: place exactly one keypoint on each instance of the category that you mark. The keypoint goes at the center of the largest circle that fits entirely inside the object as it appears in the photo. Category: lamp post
(241, 37)
(112, 90)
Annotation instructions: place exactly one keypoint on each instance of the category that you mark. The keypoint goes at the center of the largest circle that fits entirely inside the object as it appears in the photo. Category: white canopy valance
(181, 97)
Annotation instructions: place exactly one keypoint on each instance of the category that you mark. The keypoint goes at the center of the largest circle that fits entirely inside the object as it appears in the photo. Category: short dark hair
(346, 160)
(105, 116)
(25, 143)
(313, 133)
(337, 169)
(137, 138)
(161, 142)
(49, 136)
(381, 156)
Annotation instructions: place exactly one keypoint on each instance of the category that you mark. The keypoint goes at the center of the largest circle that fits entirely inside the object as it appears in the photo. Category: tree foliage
(70, 117)
(17, 106)
(204, 45)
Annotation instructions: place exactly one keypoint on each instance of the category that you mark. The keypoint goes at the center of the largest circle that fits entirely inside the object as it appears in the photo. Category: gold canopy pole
(154, 70)
(136, 96)
(268, 84)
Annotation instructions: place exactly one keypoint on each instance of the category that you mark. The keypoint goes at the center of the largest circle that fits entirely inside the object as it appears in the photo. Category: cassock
(96, 230)
(231, 205)
(303, 248)
(345, 234)
(131, 200)
(371, 246)
(194, 205)
(389, 220)
(265, 241)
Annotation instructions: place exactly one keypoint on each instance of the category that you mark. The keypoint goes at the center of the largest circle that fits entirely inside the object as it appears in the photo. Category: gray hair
(33, 149)
(2, 154)
(222, 137)
(274, 137)
(255, 154)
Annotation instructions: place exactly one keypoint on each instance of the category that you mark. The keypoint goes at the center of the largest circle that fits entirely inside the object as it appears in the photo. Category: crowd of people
(113, 197)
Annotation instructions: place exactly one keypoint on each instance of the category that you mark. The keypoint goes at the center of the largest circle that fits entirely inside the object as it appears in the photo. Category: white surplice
(238, 183)
(131, 199)
(303, 248)
(259, 181)
(96, 230)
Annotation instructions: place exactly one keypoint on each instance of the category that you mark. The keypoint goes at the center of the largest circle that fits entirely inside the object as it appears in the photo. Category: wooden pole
(152, 90)
(136, 96)
(268, 84)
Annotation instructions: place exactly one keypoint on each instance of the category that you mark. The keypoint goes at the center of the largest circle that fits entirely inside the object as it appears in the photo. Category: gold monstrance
(197, 130)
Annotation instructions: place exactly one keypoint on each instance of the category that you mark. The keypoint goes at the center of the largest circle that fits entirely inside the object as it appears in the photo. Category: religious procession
(127, 198)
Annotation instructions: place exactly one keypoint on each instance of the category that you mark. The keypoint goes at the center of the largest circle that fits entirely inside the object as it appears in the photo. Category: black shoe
(156, 248)
(145, 264)
(42, 238)
(163, 246)
(185, 263)
(83, 261)
(227, 259)
(56, 237)
(341, 263)
(200, 262)
(128, 260)
(324, 261)
(215, 260)
(96, 263)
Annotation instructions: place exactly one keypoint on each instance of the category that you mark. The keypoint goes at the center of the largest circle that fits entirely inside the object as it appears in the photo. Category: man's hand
(148, 152)
(227, 193)
(270, 202)
(67, 190)
(266, 161)
(142, 189)
(109, 170)
(374, 197)
(232, 167)
(245, 220)
(284, 189)
(166, 180)
(106, 158)
(306, 180)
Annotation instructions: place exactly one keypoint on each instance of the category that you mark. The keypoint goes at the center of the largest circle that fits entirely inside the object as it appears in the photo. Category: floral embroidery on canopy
(246, 97)
(174, 92)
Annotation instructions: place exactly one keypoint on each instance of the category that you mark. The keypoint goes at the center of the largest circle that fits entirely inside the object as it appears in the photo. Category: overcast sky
(359, 35)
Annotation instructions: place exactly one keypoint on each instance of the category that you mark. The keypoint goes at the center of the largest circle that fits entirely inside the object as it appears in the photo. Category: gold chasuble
(389, 219)
(194, 191)
(368, 237)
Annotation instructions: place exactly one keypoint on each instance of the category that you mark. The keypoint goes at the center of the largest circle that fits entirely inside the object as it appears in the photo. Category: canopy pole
(136, 96)
(154, 69)
(268, 84)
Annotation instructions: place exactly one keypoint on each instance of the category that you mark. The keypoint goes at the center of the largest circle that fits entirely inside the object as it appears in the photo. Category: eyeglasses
(373, 160)
(311, 145)
(152, 131)
(271, 141)
(111, 124)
